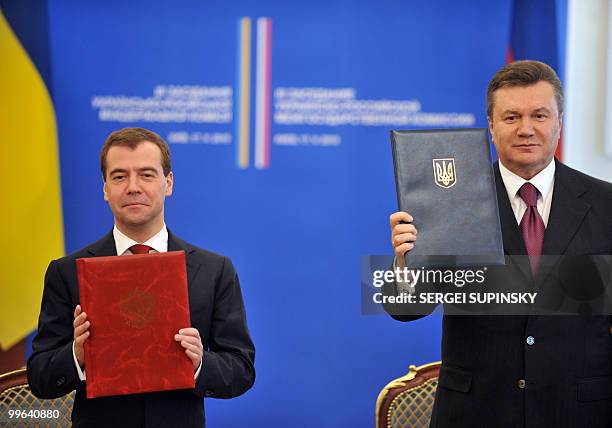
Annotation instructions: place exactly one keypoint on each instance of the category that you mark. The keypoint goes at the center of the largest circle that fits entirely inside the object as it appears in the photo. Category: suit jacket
(217, 311)
(567, 368)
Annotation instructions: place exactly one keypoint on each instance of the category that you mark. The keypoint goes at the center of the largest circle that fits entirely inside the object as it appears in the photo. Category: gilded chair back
(20, 408)
(408, 401)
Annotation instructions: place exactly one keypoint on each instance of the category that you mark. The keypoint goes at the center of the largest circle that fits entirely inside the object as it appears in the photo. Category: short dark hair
(132, 137)
(523, 73)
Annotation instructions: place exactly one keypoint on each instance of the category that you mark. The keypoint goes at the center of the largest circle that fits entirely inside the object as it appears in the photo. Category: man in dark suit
(137, 175)
(528, 370)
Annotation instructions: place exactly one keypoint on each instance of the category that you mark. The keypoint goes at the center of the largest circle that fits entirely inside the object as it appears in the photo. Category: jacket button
(530, 340)
(521, 383)
(61, 381)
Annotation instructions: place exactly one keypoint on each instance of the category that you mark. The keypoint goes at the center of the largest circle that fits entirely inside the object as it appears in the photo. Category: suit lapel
(104, 247)
(567, 213)
(511, 234)
(176, 244)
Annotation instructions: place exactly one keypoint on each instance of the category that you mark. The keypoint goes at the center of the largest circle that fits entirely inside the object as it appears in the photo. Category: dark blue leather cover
(445, 180)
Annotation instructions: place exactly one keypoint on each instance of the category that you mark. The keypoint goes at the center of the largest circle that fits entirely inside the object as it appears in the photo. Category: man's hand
(403, 235)
(191, 341)
(81, 333)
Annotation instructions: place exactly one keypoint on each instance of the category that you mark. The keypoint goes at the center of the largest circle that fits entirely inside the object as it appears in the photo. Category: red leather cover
(136, 304)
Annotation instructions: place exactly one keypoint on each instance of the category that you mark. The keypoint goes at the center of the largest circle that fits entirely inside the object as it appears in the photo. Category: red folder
(135, 304)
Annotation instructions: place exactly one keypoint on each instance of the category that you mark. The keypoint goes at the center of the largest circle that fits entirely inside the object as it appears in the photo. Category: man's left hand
(189, 339)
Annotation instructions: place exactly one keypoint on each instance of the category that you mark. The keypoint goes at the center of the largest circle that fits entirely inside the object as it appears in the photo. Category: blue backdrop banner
(278, 117)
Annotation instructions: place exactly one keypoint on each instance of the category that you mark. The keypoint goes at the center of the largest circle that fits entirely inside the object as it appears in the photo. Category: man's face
(135, 186)
(525, 126)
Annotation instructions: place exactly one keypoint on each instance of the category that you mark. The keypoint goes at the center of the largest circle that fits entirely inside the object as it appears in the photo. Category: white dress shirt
(158, 244)
(544, 181)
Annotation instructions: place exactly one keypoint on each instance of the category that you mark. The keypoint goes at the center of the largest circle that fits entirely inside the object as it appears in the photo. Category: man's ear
(169, 183)
(105, 191)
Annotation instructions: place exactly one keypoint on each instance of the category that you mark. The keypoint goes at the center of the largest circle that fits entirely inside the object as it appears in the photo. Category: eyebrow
(117, 170)
(123, 170)
(147, 169)
(539, 109)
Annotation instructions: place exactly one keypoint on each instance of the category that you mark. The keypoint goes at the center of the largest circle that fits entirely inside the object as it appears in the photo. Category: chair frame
(13, 378)
(416, 376)
(16, 382)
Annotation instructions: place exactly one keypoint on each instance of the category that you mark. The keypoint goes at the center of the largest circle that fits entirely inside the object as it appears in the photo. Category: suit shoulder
(201, 254)
(84, 252)
(217, 264)
(209, 255)
(590, 183)
(105, 245)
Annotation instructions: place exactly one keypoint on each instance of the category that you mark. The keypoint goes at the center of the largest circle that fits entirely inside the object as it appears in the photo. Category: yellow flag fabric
(30, 216)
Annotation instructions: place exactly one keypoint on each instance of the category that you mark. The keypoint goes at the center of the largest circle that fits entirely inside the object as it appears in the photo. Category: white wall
(588, 88)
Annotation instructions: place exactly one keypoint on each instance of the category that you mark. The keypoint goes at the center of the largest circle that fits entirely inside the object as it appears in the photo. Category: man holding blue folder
(528, 370)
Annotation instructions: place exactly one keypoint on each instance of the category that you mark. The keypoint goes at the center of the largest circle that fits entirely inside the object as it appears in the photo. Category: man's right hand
(403, 235)
(81, 333)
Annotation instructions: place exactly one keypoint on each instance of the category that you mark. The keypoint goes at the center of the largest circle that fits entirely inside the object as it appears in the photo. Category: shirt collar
(159, 241)
(543, 180)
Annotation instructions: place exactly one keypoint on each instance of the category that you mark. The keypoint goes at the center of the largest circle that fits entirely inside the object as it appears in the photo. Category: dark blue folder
(445, 180)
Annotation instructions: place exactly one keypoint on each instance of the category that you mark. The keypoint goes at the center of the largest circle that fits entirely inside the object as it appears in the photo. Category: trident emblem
(444, 172)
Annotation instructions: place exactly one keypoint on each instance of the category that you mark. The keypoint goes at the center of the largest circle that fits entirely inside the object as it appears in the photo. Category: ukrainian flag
(30, 216)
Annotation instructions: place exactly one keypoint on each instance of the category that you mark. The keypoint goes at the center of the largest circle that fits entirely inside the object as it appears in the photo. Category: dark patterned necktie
(532, 225)
(140, 249)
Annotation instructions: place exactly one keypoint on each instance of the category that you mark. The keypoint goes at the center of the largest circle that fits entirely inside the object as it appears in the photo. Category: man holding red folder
(137, 174)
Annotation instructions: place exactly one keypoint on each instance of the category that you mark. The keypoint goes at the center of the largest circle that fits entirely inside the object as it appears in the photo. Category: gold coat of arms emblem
(137, 308)
(445, 174)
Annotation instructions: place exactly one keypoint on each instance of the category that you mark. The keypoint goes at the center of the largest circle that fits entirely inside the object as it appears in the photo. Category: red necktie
(140, 249)
(532, 225)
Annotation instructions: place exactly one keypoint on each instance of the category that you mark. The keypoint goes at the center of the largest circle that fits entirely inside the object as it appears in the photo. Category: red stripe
(558, 152)
(509, 55)
(267, 94)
